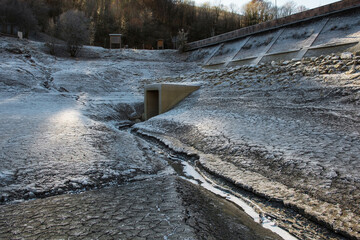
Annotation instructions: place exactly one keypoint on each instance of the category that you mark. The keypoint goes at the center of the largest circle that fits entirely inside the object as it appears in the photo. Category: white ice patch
(81, 180)
(196, 178)
(6, 176)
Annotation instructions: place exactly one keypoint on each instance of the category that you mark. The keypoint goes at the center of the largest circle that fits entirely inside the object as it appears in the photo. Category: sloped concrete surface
(325, 35)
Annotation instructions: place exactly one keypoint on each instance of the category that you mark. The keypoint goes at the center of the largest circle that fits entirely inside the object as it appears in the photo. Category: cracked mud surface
(286, 131)
(149, 209)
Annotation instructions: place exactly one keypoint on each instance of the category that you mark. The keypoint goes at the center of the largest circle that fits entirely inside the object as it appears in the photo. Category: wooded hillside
(141, 22)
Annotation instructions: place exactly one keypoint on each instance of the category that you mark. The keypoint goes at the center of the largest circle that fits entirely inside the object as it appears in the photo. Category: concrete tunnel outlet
(159, 98)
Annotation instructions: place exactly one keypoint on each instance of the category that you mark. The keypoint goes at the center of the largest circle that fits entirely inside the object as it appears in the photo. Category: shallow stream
(185, 167)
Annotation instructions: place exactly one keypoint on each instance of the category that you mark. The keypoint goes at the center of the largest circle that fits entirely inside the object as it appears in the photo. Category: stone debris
(346, 55)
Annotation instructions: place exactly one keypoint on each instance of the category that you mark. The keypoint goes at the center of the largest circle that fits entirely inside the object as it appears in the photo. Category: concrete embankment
(329, 29)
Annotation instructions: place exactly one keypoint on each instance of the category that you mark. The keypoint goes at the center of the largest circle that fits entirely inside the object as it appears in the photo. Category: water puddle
(186, 171)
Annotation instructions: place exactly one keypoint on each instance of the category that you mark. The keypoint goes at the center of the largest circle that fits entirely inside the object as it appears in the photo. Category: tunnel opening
(160, 98)
(152, 103)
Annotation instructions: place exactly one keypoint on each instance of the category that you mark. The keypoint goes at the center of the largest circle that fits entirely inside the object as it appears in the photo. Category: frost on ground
(59, 133)
(49, 147)
(288, 131)
(59, 118)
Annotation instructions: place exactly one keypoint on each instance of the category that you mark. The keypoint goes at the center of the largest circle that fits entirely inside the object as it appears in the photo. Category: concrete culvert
(160, 98)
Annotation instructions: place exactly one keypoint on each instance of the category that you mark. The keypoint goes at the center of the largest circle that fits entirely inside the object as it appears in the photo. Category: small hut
(115, 40)
(160, 44)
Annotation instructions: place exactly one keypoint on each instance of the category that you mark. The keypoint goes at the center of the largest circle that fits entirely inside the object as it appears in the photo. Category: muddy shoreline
(161, 207)
(284, 135)
(289, 217)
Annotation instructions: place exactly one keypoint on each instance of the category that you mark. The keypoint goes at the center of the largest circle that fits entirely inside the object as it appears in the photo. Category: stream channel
(186, 167)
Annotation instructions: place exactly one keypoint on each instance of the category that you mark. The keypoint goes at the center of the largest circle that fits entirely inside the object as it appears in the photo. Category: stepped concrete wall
(324, 30)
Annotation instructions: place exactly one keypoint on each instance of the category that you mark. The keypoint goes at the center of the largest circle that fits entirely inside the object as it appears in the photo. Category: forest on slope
(141, 22)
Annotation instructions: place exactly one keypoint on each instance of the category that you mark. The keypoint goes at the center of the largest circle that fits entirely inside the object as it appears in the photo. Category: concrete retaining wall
(321, 35)
(341, 6)
(159, 98)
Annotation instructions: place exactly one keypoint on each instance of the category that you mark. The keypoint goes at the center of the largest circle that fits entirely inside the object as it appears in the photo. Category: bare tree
(301, 8)
(182, 40)
(257, 11)
(140, 21)
(17, 13)
(287, 9)
(51, 31)
(41, 12)
(234, 9)
(74, 29)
